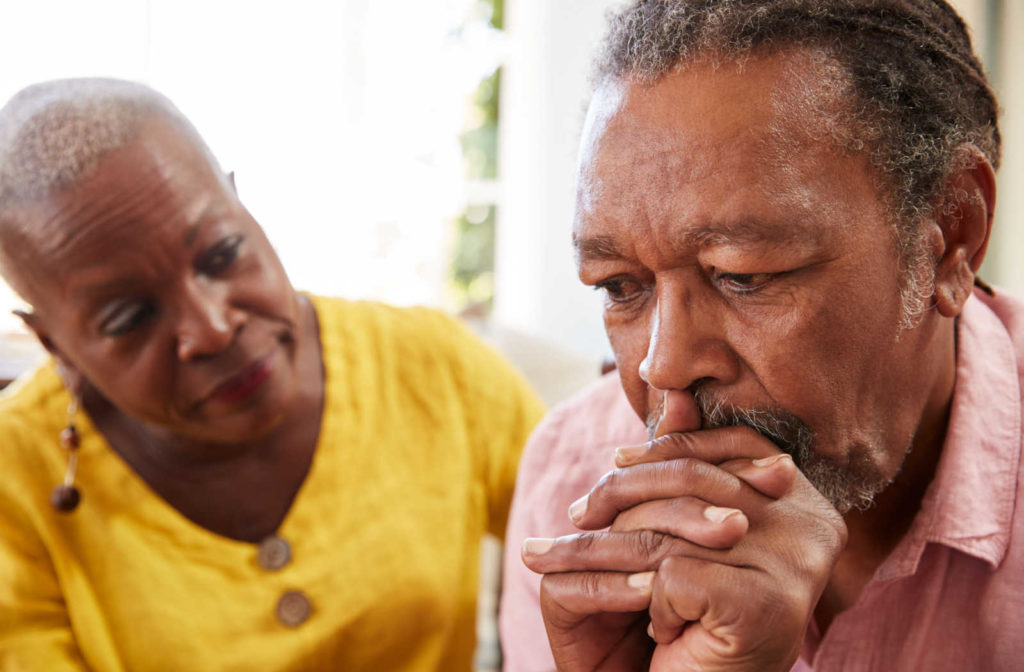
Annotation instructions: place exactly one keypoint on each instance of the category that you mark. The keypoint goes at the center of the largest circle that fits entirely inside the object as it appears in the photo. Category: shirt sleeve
(35, 631)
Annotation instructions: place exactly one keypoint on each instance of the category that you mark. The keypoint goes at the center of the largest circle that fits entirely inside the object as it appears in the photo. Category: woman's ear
(964, 217)
(72, 377)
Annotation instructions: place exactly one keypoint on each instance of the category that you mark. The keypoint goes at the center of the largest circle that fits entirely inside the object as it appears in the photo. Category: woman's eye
(125, 317)
(219, 257)
(620, 290)
(744, 282)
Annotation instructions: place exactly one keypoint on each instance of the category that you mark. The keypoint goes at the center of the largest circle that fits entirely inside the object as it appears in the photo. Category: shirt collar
(970, 503)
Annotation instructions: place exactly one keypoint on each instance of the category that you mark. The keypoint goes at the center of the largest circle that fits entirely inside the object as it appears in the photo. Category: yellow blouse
(417, 454)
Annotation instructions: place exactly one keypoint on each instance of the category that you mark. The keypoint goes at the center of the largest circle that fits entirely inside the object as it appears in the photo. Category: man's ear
(73, 378)
(964, 218)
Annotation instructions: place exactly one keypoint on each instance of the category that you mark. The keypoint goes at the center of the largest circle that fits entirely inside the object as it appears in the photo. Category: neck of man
(875, 533)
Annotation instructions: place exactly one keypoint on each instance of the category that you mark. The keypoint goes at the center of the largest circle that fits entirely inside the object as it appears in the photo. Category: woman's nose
(207, 322)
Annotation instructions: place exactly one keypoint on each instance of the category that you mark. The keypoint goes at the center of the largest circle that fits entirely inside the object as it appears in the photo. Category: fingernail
(537, 545)
(578, 508)
(629, 454)
(718, 514)
(650, 630)
(641, 580)
(769, 461)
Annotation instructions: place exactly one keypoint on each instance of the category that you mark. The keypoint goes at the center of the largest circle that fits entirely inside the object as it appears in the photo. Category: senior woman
(216, 472)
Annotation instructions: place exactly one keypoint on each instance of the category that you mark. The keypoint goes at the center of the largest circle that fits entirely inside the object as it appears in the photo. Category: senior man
(786, 204)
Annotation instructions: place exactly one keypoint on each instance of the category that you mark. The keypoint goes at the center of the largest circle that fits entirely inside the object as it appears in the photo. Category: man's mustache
(784, 429)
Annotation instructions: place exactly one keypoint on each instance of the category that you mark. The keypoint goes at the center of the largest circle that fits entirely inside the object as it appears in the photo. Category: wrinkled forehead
(767, 117)
(105, 208)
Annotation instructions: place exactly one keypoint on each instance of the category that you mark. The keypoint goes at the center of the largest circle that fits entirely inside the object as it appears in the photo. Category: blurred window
(363, 134)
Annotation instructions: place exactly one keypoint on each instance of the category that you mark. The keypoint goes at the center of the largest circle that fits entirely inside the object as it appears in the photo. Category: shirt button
(293, 608)
(273, 553)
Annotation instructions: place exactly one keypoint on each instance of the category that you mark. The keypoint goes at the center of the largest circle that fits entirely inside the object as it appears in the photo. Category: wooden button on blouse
(274, 553)
(293, 608)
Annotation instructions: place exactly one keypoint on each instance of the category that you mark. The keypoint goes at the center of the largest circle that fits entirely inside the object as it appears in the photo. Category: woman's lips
(248, 381)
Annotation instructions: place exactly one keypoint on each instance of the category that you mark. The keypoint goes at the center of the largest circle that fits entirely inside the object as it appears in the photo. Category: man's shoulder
(597, 416)
(1010, 311)
(996, 317)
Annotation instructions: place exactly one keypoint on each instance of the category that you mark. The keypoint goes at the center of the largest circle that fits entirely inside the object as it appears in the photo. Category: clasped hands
(716, 548)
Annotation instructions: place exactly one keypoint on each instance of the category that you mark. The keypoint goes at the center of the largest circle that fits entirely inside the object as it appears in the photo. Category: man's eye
(219, 257)
(744, 282)
(620, 290)
(125, 317)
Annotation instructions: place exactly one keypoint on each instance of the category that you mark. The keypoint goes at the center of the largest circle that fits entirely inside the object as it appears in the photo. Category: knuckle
(676, 444)
(649, 544)
(607, 485)
(589, 584)
(684, 469)
(742, 435)
(552, 588)
(582, 543)
(668, 568)
(697, 477)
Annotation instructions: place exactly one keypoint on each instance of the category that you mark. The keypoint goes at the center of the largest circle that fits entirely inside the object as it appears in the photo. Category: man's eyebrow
(596, 247)
(750, 231)
(745, 232)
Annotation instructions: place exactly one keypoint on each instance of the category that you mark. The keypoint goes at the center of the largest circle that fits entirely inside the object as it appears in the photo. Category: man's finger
(771, 476)
(679, 413)
(573, 594)
(710, 445)
(622, 489)
(633, 551)
(688, 518)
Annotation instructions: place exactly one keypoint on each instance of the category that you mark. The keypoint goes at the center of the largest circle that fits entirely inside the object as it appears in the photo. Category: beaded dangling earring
(65, 497)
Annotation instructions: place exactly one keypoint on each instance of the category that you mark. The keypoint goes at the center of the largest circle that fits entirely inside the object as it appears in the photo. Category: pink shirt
(950, 597)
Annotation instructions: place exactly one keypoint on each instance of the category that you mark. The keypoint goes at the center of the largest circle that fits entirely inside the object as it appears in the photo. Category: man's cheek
(630, 348)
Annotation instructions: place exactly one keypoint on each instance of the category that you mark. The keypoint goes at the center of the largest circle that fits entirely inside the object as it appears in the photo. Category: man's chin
(846, 486)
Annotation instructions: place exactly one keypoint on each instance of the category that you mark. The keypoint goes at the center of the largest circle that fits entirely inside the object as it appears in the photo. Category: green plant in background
(472, 269)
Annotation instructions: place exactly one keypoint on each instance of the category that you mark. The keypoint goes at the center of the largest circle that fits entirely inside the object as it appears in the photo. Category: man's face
(153, 282)
(746, 259)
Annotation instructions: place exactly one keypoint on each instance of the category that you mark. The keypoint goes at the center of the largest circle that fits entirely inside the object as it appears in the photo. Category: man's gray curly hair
(915, 93)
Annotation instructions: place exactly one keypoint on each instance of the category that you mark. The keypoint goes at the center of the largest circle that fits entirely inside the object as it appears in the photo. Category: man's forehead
(594, 243)
(790, 91)
(649, 149)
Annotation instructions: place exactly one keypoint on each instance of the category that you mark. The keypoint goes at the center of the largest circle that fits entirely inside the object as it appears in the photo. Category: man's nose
(686, 344)
(207, 321)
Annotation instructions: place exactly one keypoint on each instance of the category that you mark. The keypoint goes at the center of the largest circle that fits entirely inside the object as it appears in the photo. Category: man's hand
(739, 543)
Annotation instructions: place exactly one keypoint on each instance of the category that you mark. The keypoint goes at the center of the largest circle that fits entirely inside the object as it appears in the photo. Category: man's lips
(244, 383)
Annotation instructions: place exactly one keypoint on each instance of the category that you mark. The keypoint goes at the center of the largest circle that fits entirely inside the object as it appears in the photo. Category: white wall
(543, 101)
(1006, 252)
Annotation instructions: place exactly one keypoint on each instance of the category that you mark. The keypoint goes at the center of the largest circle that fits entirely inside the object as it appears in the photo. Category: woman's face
(152, 283)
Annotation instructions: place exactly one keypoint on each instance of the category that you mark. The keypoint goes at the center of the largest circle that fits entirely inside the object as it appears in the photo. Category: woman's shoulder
(362, 327)
(32, 411)
(32, 398)
(377, 315)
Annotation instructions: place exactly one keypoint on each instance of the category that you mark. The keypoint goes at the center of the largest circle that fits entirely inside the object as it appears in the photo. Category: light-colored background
(341, 119)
